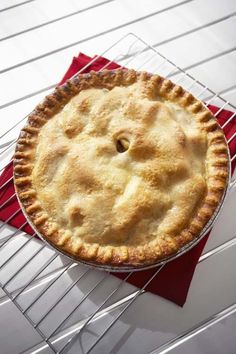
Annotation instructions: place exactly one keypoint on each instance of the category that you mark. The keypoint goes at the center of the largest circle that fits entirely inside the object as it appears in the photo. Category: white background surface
(37, 42)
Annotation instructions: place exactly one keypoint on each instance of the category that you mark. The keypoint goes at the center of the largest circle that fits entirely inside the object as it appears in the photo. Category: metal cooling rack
(41, 292)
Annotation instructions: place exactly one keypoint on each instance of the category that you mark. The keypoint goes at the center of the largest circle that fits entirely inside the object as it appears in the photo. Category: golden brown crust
(127, 254)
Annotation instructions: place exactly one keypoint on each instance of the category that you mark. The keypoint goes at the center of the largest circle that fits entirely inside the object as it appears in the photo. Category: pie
(120, 168)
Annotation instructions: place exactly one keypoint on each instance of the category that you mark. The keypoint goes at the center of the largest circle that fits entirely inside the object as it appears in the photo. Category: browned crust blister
(120, 255)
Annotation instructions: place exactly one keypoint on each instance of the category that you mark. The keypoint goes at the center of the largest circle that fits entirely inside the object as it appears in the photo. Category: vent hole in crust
(122, 145)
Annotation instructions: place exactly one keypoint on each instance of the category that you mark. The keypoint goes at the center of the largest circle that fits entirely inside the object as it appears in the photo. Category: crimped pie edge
(118, 255)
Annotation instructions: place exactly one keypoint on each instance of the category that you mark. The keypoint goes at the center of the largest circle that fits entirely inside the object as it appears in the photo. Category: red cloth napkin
(174, 279)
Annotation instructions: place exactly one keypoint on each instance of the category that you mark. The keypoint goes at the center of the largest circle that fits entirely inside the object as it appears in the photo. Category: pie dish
(120, 168)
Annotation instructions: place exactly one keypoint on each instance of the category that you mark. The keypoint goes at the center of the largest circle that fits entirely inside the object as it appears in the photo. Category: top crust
(120, 167)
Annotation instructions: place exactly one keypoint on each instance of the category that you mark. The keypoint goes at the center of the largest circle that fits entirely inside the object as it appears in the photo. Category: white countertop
(38, 39)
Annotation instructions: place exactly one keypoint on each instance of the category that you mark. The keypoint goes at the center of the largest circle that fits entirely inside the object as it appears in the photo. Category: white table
(38, 39)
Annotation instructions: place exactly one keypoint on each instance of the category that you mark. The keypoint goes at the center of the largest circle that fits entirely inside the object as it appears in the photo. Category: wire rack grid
(40, 292)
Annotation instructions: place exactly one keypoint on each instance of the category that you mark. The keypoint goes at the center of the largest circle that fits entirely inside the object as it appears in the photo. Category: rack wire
(40, 291)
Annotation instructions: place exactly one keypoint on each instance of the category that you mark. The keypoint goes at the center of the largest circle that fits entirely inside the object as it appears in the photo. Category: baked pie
(120, 168)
